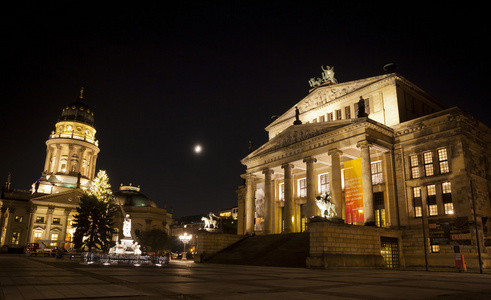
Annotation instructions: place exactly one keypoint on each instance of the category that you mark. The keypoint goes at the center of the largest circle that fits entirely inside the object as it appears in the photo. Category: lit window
(302, 188)
(54, 237)
(428, 163)
(15, 238)
(38, 235)
(379, 207)
(447, 198)
(377, 175)
(443, 160)
(418, 206)
(282, 191)
(324, 183)
(56, 220)
(413, 160)
(18, 219)
(39, 219)
(435, 248)
(432, 206)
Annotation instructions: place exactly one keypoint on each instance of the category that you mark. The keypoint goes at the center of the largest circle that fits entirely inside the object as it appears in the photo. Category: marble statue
(210, 222)
(324, 203)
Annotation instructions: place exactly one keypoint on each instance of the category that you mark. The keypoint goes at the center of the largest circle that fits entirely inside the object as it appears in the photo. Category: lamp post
(185, 238)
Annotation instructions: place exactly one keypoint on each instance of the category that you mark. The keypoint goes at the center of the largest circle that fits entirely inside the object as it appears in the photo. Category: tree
(94, 220)
(156, 240)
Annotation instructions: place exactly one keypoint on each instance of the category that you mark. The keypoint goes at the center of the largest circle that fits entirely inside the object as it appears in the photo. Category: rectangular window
(322, 118)
(330, 116)
(443, 160)
(56, 220)
(18, 219)
(447, 198)
(39, 219)
(379, 206)
(282, 191)
(417, 202)
(377, 175)
(324, 183)
(347, 112)
(428, 163)
(54, 237)
(338, 114)
(435, 248)
(314, 120)
(413, 161)
(37, 236)
(302, 188)
(432, 206)
(15, 238)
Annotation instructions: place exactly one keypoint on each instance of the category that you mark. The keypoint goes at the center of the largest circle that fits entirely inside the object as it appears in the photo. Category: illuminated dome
(131, 196)
(78, 111)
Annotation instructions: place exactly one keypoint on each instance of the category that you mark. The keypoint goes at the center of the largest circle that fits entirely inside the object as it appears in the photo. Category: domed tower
(71, 152)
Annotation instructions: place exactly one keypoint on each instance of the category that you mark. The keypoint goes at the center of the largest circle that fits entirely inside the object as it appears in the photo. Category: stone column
(289, 209)
(31, 211)
(49, 220)
(336, 188)
(366, 177)
(249, 204)
(268, 202)
(311, 187)
(57, 159)
(49, 155)
(92, 166)
(65, 225)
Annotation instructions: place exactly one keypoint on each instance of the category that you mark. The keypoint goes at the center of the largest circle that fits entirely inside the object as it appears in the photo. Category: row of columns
(53, 159)
(311, 207)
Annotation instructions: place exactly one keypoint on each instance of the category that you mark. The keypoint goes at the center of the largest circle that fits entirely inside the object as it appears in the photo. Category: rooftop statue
(210, 223)
(328, 74)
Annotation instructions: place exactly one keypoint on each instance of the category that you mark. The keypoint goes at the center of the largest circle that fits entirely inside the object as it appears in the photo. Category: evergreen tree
(94, 220)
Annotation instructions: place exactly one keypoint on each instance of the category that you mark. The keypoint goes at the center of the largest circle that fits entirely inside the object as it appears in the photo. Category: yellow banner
(353, 191)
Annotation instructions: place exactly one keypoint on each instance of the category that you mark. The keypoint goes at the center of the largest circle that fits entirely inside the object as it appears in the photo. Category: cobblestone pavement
(24, 277)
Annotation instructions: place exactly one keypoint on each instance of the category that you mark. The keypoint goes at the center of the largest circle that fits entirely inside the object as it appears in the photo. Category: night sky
(161, 78)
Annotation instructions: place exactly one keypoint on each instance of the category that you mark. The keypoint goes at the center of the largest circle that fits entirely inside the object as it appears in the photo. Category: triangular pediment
(324, 94)
(68, 198)
(298, 133)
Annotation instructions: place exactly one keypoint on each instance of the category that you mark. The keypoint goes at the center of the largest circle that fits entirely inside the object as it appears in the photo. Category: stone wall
(343, 245)
(209, 244)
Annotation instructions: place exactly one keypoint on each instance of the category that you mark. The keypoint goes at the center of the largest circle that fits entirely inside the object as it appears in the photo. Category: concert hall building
(409, 178)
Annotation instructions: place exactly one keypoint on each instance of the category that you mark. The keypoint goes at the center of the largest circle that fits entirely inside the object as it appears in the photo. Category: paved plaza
(24, 277)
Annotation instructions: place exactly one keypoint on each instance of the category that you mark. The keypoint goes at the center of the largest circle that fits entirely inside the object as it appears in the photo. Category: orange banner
(353, 191)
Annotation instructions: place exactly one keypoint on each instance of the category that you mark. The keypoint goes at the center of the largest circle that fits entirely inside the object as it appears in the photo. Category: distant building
(392, 158)
(46, 212)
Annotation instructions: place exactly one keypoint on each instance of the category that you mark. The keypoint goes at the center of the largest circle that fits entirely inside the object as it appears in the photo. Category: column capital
(334, 151)
(268, 171)
(310, 159)
(363, 144)
(287, 166)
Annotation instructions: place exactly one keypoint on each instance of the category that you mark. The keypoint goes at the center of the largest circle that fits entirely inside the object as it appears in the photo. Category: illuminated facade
(391, 156)
(46, 211)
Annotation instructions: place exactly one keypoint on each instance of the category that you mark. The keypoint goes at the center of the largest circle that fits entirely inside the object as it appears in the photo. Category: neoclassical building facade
(47, 210)
(391, 157)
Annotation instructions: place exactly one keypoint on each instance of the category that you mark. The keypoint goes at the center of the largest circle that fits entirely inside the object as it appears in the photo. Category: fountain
(126, 251)
(127, 245)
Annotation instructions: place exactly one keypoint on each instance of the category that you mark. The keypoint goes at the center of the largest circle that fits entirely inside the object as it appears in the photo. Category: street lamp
(185, 238)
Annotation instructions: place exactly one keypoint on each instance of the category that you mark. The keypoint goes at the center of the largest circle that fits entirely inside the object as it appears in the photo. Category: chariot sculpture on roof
(327, 77)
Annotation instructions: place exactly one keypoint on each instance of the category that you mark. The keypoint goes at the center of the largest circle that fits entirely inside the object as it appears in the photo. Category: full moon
(197, 148)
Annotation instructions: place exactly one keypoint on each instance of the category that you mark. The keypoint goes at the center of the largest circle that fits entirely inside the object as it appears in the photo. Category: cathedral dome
(78, 111)
(131, 196)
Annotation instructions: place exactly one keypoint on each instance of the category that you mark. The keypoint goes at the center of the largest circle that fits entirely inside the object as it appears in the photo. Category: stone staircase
(279, 250)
